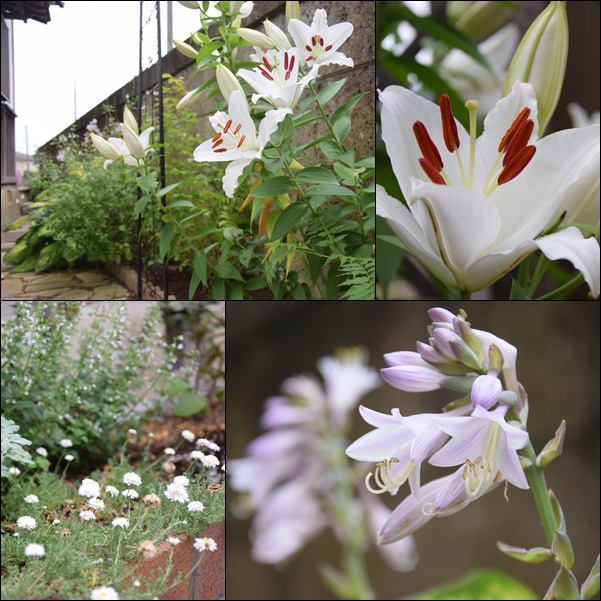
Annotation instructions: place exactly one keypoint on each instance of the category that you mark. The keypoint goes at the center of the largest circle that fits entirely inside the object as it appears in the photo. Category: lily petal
(270, 124)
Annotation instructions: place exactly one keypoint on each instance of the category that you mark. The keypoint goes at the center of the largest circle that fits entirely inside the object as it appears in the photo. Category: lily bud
(193, 5)
(235, 7)
(256, 38)
(104, 148)
(540, 60)
(292, 10)
(129, 118)
(276, 34)
(478, 20)
(295, 165)
(189, 99)
(227, 81)
(185, 49)
(132, 142)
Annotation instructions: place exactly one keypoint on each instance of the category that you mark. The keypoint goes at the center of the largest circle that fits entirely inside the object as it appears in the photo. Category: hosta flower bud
(495, 359)
(227, 81)
(276, 34)
(129, 118)
(466, 355)
(185, 49)
(468, 336)
(540, 60)
(478, 20)
(256, 38)
(104, 148)
(292, 10)
(132, 142)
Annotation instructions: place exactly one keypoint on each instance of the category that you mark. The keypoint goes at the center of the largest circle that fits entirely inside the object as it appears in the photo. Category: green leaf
(141, 204)
(255, 284)
(48, 257)
(189, 403)
(180, 203)
(346, 107)
(342, 127)
(535, 555)
(147, 182)
(591, 585)
(289, 217)
(316, 175)
(276, 186)
(165, 239)
(564, 586)
(207, 50)
(218, 289)
(557, 511)
(518, 292)
(562, 547)
(227, 271)
(330, 91)
(328, 190)
(177, 386)
(235, 291)
(167, 189)
(553, 448)
(480, 584)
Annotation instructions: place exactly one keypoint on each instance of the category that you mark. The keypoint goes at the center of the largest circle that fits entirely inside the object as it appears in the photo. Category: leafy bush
(88, 392)
(12, 445)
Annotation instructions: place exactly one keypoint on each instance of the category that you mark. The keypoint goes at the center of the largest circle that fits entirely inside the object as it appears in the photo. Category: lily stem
(326, 119)
(538, 485)
(567, 287)
(465, 295)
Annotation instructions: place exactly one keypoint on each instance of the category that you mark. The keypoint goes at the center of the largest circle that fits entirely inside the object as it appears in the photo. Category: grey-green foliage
(12, 445)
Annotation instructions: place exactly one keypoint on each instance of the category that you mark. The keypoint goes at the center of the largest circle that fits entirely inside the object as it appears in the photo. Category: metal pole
(139, 112)
(161, 135)
(169, 26)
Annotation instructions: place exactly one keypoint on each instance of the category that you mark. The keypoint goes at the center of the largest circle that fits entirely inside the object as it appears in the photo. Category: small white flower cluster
(114, 492)
(210, 461)
(66, 443)
(197, 455)
(177, 492)
(172, 540)
(131, 493)
(87, 515)
(96, 503)
(104, 592)
(195, 506)
(204, 442)
(89, 488)
(34, 550)
(69, 457)
(202, 544)
(42, 451)
(14, 471)
(121, 523)
(26, 522)
(132, 479)
(169, 451)
(31, 499)
(188, 435)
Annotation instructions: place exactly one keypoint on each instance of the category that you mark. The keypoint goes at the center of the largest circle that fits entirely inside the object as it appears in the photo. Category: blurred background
(558, 363)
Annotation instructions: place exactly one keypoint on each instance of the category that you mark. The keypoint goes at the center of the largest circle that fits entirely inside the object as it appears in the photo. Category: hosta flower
(210, 461)
(477, 208)
(87, 515)
(96, 504)
(34, 550)
(188, 435)
(89, 488)
(31, 499)
(66, 443)
(202, 544)
(104, 592)
(319, 43)
(26, 522)
(177, 492)
(131, 493)
(114, 492)
(120, 523)
(181, 480)
(195, 506)
(132, 479)
(276, 80)
(236, 139)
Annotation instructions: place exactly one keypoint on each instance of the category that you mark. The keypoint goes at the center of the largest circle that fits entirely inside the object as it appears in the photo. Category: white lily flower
(241, 10)
(276, 34)
(236, 139)
(319, 43)
(113, 148)
(277, 81)
(472, 217)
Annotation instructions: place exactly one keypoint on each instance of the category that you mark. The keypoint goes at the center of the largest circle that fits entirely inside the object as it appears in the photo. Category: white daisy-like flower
(181, 480)
(121, 523)
(26, 522)
(42, 451)
(87, 515)
(131, 493)
(104, 592)
(14, 471)
(195, 506)
(66, 443)
(89, 488)
(188, 435)
(114, 492)
(132, 432)
(137, 583)
(169, 451)
(173, 541)
(69, 457)
(96, 504)
(177, 492)
(210, 461)
(16, 535)
(55, 522)
(202, 544)
(132, 479)
(34, 550)
(196, 455)
(209, 444)
(31, 499)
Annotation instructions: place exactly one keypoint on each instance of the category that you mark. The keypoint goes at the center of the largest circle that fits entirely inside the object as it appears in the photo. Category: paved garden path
(68, 284)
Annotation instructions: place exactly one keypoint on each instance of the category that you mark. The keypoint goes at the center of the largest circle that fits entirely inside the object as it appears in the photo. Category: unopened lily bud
(129, 118)
(478, 20)
(227, 81)
(295, 165)
(185, 49)
(189, 99)
(495, 359)
(256, 38)
(236, 23)
(235, 7)
(540, 60)
(132, 142)
(193, 5)
(276, 34)
(292, 10)
(104, 148)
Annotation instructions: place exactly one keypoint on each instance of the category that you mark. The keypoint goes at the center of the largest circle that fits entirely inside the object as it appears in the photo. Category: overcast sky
(93, 43)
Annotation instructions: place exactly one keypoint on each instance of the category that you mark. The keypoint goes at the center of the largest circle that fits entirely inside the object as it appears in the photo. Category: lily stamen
(516, 165)
(521, 118)
(519, 141)
(449, 127)
(227, 126)
(427, 146)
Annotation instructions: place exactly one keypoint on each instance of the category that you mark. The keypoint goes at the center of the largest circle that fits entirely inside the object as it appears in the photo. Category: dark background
(558, 363)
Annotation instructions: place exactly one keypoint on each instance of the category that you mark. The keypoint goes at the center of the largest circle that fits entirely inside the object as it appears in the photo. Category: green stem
(465, 294)
(326, 119)
(539, 272)
(567, 287)
(538, 486)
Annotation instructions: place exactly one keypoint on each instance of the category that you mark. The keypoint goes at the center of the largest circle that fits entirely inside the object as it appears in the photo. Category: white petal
(509, 465)
(381, 420)
(239, 113)
(486, 391)
(582, 252)
(301, 34)
(337, 35)
(379, 444)
(270, 124)
(334, 58)
(232, 173)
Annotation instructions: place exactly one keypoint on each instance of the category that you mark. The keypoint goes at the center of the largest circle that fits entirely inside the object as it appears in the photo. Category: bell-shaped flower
(318, 44)
(276, 80)
(477, 207)
(486, 445)
(236, 139)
